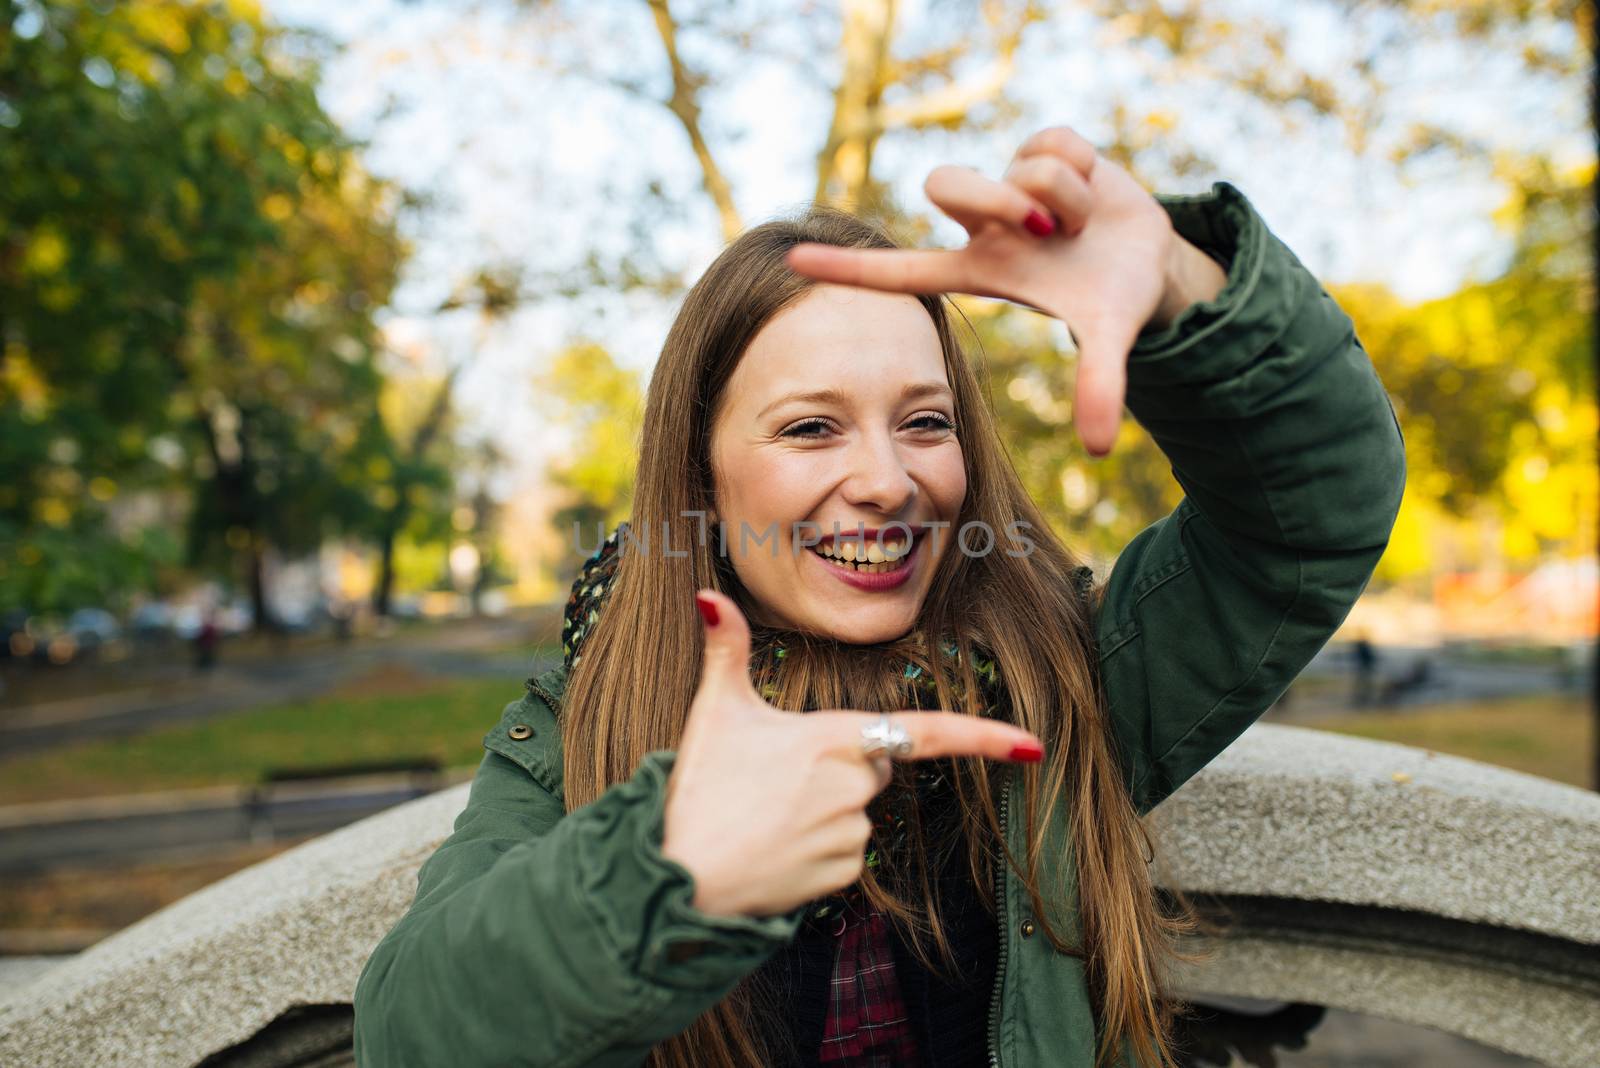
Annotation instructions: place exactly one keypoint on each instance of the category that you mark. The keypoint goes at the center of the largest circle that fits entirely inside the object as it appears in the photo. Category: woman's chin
(868, 625)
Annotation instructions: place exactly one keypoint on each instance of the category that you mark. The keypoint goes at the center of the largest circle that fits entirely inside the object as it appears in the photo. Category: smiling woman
(681, 870)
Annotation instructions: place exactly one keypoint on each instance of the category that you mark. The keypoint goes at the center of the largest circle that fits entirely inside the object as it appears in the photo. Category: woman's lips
(873, 581)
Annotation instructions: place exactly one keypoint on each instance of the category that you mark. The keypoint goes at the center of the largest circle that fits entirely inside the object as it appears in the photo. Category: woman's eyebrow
(912, 390)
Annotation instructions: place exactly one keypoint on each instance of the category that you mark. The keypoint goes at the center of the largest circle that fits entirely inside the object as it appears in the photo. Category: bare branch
(949, 104)
(685, 104)
(860, 118)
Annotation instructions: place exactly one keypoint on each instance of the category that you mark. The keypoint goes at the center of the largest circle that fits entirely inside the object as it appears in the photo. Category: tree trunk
(261, 612)
(383, 591)
(432, 423)
(844, 166)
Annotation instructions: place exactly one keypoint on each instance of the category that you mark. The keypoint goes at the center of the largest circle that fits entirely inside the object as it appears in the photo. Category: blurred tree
(600, 405)
(280, 377)
(1494, 386)
(190, 260)
(875, 93)
(955, 71)
(479, 514)
(413, 489)
(412, 485)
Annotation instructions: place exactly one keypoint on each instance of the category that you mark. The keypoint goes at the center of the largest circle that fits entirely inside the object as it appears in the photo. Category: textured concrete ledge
(213, 969)
(1546, 1022)
(1286, 813)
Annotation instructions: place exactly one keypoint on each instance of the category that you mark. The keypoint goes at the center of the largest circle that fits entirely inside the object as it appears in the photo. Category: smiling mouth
(867, 558)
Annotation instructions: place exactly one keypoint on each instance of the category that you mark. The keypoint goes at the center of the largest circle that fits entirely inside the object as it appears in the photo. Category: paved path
(1326, 686)
(263, 681)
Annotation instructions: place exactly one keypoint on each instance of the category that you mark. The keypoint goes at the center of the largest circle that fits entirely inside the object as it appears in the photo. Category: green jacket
(539, 937)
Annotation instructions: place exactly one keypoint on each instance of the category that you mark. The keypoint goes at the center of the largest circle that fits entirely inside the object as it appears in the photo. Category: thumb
(725, 664)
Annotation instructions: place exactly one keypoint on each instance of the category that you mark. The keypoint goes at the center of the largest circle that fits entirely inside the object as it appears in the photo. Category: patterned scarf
(889, 810)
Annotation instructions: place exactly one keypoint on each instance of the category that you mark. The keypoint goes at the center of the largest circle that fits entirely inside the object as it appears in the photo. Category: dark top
(949, 1014)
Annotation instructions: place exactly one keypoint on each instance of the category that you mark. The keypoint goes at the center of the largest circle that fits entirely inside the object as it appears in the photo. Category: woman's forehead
(842, 336)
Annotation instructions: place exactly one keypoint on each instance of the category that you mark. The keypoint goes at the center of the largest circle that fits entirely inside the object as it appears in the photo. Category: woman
(658, 865)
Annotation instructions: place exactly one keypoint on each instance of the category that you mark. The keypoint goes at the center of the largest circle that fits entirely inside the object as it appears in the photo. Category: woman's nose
(878, 477)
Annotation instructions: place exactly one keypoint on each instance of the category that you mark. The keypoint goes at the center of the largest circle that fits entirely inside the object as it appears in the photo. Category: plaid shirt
(867, 1024)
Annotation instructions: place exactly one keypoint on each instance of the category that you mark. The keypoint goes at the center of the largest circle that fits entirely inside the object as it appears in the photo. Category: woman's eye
(932, 421)
(807, 428)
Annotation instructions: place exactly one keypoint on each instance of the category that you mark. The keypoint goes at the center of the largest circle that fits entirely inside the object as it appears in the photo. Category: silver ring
(884, 736)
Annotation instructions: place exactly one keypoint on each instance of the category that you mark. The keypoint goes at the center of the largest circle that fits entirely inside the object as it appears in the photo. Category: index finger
(941, 734)
(896, 270)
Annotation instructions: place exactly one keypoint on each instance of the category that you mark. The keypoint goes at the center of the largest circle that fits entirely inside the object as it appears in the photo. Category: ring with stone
(884, 737)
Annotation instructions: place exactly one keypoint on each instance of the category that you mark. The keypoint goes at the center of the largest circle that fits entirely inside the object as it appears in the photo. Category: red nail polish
(1039, 224)
(1027, 752)
(708, 609)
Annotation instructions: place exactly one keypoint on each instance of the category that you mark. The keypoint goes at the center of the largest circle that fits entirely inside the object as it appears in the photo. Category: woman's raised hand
(1065, 231)
(767, 809)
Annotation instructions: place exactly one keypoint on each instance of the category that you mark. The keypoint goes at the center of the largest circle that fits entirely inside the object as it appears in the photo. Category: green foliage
(1096, 506)
(1494, 388)
(190, 259)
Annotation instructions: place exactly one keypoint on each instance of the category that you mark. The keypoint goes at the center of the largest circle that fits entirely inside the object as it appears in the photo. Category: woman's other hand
(767, 809)
(1069, 233)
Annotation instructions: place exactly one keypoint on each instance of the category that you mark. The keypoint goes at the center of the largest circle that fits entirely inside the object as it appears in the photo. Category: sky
(505, 120)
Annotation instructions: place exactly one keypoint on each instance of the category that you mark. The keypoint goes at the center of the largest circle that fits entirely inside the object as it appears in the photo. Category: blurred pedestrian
(343, 613)
(1366, 663)
(206, 641)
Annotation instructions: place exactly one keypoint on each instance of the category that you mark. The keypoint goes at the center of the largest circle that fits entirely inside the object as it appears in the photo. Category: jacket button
(519, 732)
(1026, 928)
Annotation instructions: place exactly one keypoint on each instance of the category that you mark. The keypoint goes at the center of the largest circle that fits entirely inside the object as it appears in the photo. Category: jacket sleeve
(1292, 465)
(539, 937)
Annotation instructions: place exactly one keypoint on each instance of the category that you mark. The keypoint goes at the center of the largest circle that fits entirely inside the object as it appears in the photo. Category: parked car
(152, 620)
(92, 628)
(15, 642)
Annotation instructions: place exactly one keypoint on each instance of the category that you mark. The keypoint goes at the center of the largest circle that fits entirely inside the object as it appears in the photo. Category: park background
(322, 327)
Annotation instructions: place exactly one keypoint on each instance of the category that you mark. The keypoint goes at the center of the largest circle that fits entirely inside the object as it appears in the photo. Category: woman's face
(839, 414)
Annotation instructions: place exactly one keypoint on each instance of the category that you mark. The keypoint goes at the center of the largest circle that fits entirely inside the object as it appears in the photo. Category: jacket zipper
(1000, 915)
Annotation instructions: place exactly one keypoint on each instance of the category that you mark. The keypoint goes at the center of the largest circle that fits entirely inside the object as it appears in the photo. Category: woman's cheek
(946, 480)
(778, 492)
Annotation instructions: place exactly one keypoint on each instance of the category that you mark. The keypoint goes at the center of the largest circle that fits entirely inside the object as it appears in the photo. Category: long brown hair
(1022, 610)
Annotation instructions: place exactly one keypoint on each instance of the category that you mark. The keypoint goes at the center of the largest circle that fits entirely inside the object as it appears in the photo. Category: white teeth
(868, 557)
(872, 560)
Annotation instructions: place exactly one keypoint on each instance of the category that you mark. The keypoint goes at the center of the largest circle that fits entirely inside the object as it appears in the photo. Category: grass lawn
(1551, 736)
(388, 716)
(397, 714)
